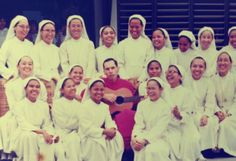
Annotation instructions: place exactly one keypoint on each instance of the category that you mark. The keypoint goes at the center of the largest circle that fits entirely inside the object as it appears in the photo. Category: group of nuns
(55, 93)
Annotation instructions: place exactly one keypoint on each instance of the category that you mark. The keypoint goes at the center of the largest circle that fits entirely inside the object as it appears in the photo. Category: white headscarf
(168, 43)
(14, 21)
(189, 35)
(142, 19)
(100, 35)
(181, 70)
(213, 43)
(27, 80)
(90, 83)
(84, 32)
(41, 24)
(146, 67)
(231, 29)
(59, 86)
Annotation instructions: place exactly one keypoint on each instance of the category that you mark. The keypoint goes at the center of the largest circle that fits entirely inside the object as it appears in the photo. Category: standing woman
(101, 139)
(184, 145)
(65, 113)
(46, 56)
(225, 86)
(107, 47)
(77, 48)
(34, 134)
(163, 48)
(207, 49)
(151, 122)
(204, 93)
(14, 47)
(231, 47)
(186, 49)
(136, 47)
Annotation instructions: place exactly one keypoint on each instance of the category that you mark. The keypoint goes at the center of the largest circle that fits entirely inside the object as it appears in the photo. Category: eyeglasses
(23, 26)
(49, 31)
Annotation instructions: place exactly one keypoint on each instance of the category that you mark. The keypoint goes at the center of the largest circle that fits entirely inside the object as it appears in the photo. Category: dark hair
(107, 26)
(199, 57)
(75, 67)
(209, 31)
(64, 82)
(224, 52)
(135, 18)
(161, 30)
(177, 71)
(22, 58)
(158, 83)
(75, 19)
(41, 29)
(96, 82)
(110, 59)
(30, 81)
(186, 38)
(152, 61)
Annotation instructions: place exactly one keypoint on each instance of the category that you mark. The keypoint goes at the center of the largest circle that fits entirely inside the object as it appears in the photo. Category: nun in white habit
(66, 112)
(15, 46)
(107, 47)
(182, 133)
(207, 49)
(34, 135)
(77, 48)
(135, 49)
(45, 53)
(225, 86)
(100, 137)
(231, 47)
(151, 121)
(186, 49)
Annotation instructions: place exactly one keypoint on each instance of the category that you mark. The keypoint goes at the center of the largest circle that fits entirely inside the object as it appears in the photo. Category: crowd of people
(59, 97)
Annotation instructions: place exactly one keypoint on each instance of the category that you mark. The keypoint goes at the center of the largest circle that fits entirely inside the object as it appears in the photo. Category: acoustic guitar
(124, 99)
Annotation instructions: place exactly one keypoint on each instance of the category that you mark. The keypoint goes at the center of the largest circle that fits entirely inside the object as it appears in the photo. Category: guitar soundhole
(120, 100)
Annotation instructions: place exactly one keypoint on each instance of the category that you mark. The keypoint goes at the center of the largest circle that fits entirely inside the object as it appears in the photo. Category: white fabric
(46, 60)
(232, 52)
(190, 35)
(102, 53)
(225, 97)
(100, 35)
(25, 142)
(168, 43)
(11, 52)
(231, 29)
(183, 135)
(41, 24)
(84, 32)
(151, 122)
(65, 114)
(3, 34)
(133, 56)
(95, 146)
(14, 21)
(213, 43)
(204, 93)
(78, 52)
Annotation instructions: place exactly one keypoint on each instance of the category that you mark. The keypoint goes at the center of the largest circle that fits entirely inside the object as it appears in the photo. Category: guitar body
(124, 92)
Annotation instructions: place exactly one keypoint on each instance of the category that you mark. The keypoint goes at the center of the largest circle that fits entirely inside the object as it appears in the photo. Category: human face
(135, 28)
(158, 39)
(205, 39)
(96, 91)
(75, 28)
(68, 90)
(25, 67)
(184, 44)
(48, 33)
(76, 74)
(232, 38)
(108, 36)
(223, 64)
(153, 90)
(22, 29)
(32, 90)
(111, 70)
(154, 69)
(197, 68)
(173, 77)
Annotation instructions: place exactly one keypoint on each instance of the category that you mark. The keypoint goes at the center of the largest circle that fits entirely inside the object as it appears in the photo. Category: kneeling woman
(151, 122)
(32, 136)
(65, 113)
(101, 140)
